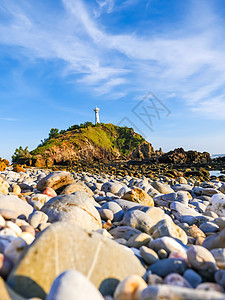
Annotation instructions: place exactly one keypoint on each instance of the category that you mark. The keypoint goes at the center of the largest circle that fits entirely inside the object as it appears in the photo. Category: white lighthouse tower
(96, 110)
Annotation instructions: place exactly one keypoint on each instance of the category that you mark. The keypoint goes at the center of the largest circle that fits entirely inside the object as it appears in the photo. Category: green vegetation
(112, 139)
(21, 156)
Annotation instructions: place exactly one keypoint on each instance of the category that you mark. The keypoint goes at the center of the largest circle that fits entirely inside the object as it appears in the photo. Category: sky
(155, 65)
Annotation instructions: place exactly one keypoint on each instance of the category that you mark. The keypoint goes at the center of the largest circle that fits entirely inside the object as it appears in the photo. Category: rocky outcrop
(180, 156)
(105, 142)
(143, 151)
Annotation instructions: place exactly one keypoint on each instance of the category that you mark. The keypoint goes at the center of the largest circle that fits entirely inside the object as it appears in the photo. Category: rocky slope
(104, 142)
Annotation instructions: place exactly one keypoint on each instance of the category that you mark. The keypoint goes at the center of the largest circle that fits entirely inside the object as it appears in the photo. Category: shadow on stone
(108, 286)
(30, 287)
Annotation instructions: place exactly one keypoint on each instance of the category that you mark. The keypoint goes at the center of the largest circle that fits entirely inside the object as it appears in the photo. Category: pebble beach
(67, 235)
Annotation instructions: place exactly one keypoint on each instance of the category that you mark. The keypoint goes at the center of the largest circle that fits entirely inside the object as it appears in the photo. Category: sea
(216, 172)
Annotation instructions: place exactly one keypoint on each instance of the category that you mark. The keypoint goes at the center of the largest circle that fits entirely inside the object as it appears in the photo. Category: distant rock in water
(180, 156)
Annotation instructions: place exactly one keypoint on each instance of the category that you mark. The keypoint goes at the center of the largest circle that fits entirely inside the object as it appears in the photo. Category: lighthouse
(96, 110)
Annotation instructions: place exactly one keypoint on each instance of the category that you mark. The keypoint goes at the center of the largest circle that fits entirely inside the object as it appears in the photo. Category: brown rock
(139, 196)
(55, 180)
(130, 288)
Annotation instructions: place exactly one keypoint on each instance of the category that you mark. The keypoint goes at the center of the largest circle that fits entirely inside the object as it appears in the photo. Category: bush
(22, 156)
(53, 133)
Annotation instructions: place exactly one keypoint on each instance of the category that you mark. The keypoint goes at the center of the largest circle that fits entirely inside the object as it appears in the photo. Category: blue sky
(61, 58)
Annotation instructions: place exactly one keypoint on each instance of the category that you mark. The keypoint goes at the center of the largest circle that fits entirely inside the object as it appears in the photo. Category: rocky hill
(88, 142)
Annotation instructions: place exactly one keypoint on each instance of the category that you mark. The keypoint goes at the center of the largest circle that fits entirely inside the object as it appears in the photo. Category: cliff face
(104, 142)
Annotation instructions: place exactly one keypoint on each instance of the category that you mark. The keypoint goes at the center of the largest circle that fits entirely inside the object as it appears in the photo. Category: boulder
(15, 204)
(64, 246)
(55, 180)
(77, 209)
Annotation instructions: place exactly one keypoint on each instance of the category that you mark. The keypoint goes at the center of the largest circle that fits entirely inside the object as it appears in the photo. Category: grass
(107, 136)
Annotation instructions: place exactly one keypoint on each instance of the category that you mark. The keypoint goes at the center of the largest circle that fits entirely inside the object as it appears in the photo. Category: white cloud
(8, 119)
(188, 63)
(104, 6)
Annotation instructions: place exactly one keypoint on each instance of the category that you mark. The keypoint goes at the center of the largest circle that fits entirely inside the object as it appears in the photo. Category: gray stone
(198, 220)
(219, 255)
(220, 277)
(106, 214)
(166, 266)
(112, 187)
(168, 228)
(207, 227)
(72, 285)
(77, 209)
(162, 253)
(205, 191)
(180, 210)
(220, 222)
(139, 240)
(161, 187)
(125, 204)
(36, 218)
(63, 246)
(167, 199)
(77, 187)
(167, 243)
(192, 277)
(177, 280)
(182, 187)
(116, 209)
(138, 219)
(202, 261)
(38, 200)
(149, 255)
(124, 232)
(199, 206)
(215, 241)
(170, 292)
(155, 213)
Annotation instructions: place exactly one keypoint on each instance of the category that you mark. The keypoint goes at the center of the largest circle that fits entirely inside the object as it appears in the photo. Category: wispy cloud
(9, 119)
(188, 62)
(104, 6)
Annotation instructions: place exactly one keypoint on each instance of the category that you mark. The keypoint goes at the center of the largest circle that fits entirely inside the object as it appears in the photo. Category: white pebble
(2, 221)
(27, 237)
(14, 227)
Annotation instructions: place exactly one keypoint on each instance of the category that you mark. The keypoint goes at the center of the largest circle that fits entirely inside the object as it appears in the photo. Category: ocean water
(216, 172)
(217, 155)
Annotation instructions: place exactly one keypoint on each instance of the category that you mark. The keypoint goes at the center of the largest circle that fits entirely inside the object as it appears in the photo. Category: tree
(53, 133)
(21, 156)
